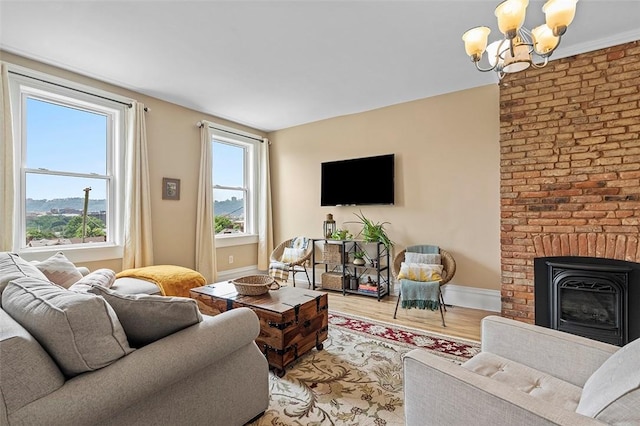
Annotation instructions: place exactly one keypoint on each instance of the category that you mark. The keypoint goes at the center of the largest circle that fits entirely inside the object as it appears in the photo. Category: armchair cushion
(613, 391)
(79, 330)
(526, 379)
(147, 318)
(59, 270)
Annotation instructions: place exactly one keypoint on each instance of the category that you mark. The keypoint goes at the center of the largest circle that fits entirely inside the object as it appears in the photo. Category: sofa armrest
(562, 355)
(440, 392)
(91, 397)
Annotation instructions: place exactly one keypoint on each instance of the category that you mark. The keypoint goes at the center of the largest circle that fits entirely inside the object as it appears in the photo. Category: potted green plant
(373, 232)
(341, 234)
(358, 258)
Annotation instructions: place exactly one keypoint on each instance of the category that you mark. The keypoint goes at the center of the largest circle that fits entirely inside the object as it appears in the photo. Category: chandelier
(515, 52)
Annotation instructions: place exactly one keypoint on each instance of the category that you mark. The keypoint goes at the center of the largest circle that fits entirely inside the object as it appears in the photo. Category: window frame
(30, 84)
(251, 144)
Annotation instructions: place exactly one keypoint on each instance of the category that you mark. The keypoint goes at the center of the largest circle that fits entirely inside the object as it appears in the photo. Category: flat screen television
(358, 181)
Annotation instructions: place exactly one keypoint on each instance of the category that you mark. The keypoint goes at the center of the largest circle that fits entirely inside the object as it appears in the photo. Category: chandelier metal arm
(479, 68)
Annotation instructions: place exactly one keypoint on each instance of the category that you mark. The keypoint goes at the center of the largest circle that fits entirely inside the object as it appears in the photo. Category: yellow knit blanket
(171, 279)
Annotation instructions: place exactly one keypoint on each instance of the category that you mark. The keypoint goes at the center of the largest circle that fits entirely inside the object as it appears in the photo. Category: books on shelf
(364, 288)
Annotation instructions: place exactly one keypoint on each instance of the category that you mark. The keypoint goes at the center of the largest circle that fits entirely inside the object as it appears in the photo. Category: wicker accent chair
(448, 271)
(295, 267)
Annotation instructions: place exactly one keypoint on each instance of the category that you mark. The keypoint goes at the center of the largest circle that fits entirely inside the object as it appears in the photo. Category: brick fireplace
(570, 166)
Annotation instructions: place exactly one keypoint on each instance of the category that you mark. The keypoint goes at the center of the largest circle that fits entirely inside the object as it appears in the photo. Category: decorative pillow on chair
(428, 258)
(147, 318)
(59, 270)
(420, 272)
(102, 277)
(80, 331)
(292, 254)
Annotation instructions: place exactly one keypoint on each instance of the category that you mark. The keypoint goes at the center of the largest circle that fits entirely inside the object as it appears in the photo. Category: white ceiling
(277, 64)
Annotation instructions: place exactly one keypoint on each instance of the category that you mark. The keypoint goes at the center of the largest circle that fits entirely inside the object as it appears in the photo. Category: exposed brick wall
(570, 165)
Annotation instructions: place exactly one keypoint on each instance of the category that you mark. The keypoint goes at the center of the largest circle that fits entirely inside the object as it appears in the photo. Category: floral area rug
(357, 378)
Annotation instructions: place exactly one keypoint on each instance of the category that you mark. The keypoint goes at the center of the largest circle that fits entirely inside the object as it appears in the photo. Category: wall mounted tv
(358, 181)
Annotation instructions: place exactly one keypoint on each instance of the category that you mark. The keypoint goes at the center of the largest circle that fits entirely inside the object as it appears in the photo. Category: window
(235, 186)
(68, 166)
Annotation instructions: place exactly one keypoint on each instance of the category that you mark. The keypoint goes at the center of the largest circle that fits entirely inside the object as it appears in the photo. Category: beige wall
(447, 176)
(174, 151)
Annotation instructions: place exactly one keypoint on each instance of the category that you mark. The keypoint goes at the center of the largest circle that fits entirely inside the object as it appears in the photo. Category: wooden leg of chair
(397, 303)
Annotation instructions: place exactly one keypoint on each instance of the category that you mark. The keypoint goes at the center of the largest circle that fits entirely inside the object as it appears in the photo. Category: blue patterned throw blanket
(419, 294)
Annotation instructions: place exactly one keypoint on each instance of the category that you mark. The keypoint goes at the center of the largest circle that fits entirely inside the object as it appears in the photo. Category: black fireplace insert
(591, 297)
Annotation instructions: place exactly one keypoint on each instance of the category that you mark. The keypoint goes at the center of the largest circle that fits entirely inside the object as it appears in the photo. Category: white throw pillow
(291, 255)
(80, 331)
(59, 270)
(612, 393)
(147, 318)
(428, 258)
(420, 272)
(101, 277)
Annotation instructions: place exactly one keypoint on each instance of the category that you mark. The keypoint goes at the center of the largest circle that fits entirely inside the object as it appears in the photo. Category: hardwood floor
(460, 322)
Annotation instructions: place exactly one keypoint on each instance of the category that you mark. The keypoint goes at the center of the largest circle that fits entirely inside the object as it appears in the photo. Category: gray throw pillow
(13, 266)
(80, 331)
(612, 393)
(102, 277)
(147, 318)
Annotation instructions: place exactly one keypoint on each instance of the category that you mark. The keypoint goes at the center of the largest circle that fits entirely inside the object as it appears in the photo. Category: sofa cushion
(612, 393)
(525, 379)
(147, 318)
(59, 270)
(13, 266)
(27, 371)
(102, 277)
(80, 331)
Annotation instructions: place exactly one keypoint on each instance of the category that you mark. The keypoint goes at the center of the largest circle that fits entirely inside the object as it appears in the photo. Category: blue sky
(72, 140)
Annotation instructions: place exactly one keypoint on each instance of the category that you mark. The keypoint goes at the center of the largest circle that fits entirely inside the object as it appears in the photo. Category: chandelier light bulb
(511, 14)
(559, 14)
(543, 39)
(475, 41)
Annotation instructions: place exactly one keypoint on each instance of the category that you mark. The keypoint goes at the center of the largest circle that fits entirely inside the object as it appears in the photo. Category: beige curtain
(205, 239)
(265, 225)
(6, 162)
(138, 242)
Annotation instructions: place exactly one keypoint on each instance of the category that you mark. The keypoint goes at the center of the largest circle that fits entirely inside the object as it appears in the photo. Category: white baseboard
(230, 274)
(456, 295)
(472, 297)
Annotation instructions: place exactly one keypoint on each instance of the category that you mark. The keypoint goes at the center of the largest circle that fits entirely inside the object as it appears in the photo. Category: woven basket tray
(255, 285)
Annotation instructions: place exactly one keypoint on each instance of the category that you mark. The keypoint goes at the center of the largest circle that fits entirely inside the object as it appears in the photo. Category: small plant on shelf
(358, 258)
(341, 234)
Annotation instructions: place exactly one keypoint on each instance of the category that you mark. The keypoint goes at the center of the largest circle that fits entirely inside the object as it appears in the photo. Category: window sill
(235, 240)
(75, 253)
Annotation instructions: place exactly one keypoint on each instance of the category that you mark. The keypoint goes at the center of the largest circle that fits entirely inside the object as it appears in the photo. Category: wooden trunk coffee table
(292, 320)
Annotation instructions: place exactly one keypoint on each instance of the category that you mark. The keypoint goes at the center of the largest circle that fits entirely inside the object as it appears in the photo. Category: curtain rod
(74, 89)
(200, 124)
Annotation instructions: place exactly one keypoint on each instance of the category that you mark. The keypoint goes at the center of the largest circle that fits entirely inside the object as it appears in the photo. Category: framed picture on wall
(170, 189)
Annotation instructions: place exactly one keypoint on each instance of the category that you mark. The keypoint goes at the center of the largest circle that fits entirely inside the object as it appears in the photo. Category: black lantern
(329, 226)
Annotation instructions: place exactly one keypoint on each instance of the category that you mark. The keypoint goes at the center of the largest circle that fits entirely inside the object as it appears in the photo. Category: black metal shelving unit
(377, 265)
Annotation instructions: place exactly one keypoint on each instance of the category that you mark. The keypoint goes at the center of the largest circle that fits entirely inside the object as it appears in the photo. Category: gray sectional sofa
(209, 372)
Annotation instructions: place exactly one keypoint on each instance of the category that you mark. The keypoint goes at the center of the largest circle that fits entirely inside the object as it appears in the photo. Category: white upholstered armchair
(526, 375)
